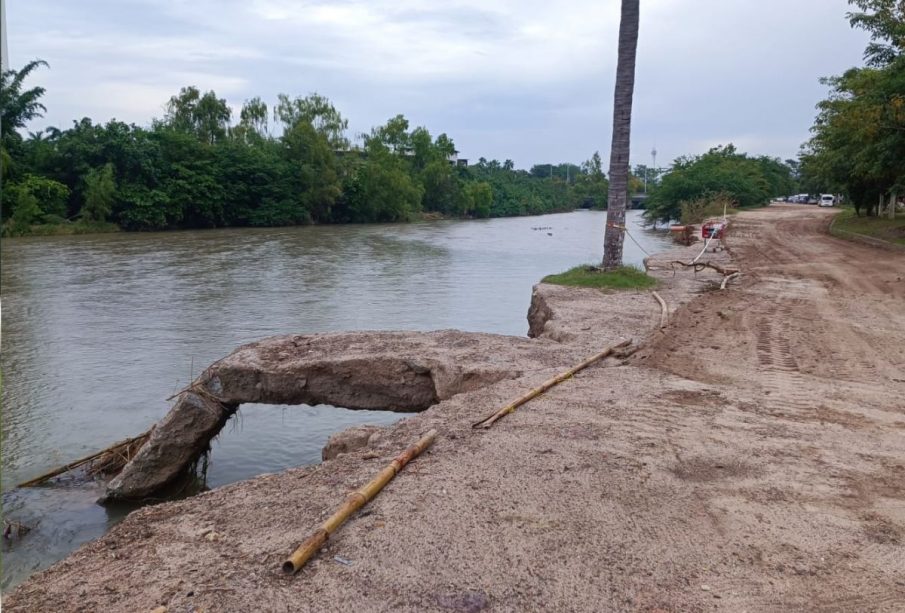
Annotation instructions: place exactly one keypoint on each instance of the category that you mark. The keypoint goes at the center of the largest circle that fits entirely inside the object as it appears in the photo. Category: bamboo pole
(354, 501)
(664, 310)
(509, 408)
(73, 465)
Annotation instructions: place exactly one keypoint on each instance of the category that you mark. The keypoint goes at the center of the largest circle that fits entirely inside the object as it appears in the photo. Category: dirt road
(750, 458)
(809, 360)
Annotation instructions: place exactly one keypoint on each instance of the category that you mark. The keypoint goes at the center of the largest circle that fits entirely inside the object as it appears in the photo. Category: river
(98, 330)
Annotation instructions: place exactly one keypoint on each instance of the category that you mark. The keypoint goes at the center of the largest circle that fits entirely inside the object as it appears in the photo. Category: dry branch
(107, 459)
(699, 266)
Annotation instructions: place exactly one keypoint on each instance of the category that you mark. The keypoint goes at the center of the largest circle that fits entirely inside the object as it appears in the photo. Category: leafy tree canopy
(746, 181)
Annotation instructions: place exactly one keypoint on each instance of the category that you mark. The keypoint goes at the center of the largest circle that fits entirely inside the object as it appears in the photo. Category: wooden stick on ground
(664, 310)
(354, 501)
(509, 408)
(73, 465)
(729, 278)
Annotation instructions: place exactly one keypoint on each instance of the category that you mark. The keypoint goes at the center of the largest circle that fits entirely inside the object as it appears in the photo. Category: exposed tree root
(699, 266)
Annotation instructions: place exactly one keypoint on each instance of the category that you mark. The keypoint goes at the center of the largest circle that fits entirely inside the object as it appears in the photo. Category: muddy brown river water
(99, 330)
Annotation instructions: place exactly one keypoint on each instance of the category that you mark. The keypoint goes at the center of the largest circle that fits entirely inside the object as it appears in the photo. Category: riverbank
(747, 457)
(99, 330)
(80, 227)
(61, 229)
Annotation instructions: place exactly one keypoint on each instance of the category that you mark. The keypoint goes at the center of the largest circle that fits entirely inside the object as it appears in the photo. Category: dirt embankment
(751, 457)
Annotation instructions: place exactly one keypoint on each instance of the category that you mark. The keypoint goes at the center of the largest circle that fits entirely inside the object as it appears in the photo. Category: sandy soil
(749, 458)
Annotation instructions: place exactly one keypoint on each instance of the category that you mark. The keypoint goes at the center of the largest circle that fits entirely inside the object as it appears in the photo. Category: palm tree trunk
(622, 128)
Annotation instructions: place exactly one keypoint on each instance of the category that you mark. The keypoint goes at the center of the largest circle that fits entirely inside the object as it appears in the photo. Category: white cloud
(528, 80)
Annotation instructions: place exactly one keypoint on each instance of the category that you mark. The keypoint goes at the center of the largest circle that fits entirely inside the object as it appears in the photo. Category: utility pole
(653, 155)
(4, 52)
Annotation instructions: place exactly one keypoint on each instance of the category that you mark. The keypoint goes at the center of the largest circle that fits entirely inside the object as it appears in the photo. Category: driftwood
(509, 408)
(353, 502)
(107, 460)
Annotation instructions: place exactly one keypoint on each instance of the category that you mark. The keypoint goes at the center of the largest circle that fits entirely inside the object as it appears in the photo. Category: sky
(525, 80)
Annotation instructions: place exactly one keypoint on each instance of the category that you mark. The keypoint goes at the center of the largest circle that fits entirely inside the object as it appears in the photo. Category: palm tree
(622, 128)
(19, 107)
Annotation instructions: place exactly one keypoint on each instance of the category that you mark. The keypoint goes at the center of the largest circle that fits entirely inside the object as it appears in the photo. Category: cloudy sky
(526, 80)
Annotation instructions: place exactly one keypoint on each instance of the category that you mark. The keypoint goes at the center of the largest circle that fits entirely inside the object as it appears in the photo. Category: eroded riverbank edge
(569, 323)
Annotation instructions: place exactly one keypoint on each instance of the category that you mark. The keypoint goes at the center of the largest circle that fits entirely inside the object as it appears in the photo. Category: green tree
(50, 195)
(18, 106)
(443, 189)
(206, 116)
(622, 124)
(317, 111)
(142, 208)
(480, 198)
(722, 170)
(313, 162)
(251, 179)
(591, 186)
(100, 192)
(192, 169)
(885, 21)
(379, 190)
(24, 207)
(858, 146)
(253, 120)
(188, 178)
(392, 136)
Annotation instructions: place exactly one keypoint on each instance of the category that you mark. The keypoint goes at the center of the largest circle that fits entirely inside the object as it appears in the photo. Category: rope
(627, 233)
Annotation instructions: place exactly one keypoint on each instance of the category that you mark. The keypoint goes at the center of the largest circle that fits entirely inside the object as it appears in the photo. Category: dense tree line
(858, 143)
(722, 174)
(291, 164)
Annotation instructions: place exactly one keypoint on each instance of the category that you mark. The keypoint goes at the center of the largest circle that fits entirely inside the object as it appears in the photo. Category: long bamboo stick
(354, 501)
(509, 408)
(72, 465)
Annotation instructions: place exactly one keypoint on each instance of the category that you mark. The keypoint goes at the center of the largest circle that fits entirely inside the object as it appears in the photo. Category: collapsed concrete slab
(395, 371)
(173, 446)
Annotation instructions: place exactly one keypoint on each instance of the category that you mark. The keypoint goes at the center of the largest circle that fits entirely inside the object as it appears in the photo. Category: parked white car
(827, 200)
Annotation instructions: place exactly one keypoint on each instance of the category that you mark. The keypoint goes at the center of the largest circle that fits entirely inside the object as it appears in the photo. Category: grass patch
(626, 277)
(891, 230)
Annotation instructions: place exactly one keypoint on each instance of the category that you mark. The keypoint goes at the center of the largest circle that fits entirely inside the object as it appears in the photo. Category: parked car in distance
(827, 200)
